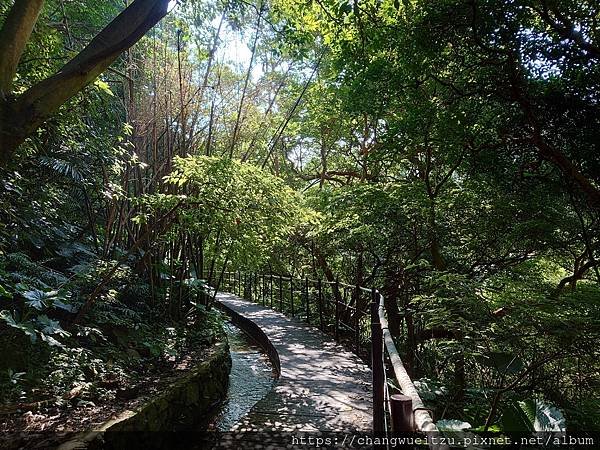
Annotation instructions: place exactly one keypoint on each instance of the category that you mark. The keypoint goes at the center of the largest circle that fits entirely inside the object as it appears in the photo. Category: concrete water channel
(252, 377)
(307, 384)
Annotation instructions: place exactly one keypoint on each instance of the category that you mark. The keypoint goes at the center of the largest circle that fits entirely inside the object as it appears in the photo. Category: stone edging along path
(191, 397)
(255, 332)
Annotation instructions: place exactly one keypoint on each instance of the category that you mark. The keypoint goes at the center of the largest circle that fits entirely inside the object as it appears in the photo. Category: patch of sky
(535, 54)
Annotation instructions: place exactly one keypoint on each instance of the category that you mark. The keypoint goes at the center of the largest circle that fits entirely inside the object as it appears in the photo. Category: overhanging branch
(33, 107)
(14, 37)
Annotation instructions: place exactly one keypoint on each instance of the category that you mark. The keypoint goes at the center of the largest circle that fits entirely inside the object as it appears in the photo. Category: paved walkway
(322, 387)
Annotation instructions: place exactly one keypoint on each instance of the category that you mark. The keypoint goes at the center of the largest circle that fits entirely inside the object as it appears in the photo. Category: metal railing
(355, 316)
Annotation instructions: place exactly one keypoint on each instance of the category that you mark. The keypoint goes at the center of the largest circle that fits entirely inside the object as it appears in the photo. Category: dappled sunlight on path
(322, 387)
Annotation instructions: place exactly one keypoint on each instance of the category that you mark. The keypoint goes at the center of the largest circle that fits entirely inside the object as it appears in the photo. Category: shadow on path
(322, 386)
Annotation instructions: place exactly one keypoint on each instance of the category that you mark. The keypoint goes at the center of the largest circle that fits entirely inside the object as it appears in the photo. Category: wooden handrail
(422, 419)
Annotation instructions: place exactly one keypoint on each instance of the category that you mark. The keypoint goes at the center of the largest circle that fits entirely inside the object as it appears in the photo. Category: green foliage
(426, 157)
(244, 210)
(532, 415)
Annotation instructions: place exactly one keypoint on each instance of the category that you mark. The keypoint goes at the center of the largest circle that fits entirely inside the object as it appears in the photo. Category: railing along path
(356, 317)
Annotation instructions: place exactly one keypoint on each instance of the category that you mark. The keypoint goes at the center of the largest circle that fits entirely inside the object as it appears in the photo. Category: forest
(442, 152)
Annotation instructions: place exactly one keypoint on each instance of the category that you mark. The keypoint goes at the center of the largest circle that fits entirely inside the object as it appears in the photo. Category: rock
(128, 393)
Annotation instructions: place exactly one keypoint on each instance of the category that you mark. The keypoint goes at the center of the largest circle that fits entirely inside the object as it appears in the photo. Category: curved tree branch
(22, 116)
(14, 36)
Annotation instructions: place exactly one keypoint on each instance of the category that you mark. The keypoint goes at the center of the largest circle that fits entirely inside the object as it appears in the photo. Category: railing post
(357, 320)
(239, 283)
(337, 309)
(306, 296)
(255, 290)
(280, 293)
(262, 293)
(271, 288)
(320, 304)
(292, 294)
(402, 413)
(377, 366)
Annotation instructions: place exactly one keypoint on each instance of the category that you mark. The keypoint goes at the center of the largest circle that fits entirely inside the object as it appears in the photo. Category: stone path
(322, 387)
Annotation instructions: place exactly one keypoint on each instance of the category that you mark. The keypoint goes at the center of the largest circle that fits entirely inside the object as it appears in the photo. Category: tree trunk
(547, 150)
(391, 292)
(22, 116)
(329, 275)
(246, 81)
(14, 36)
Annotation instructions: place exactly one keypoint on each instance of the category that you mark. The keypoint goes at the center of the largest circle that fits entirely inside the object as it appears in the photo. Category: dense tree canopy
(444, 152)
